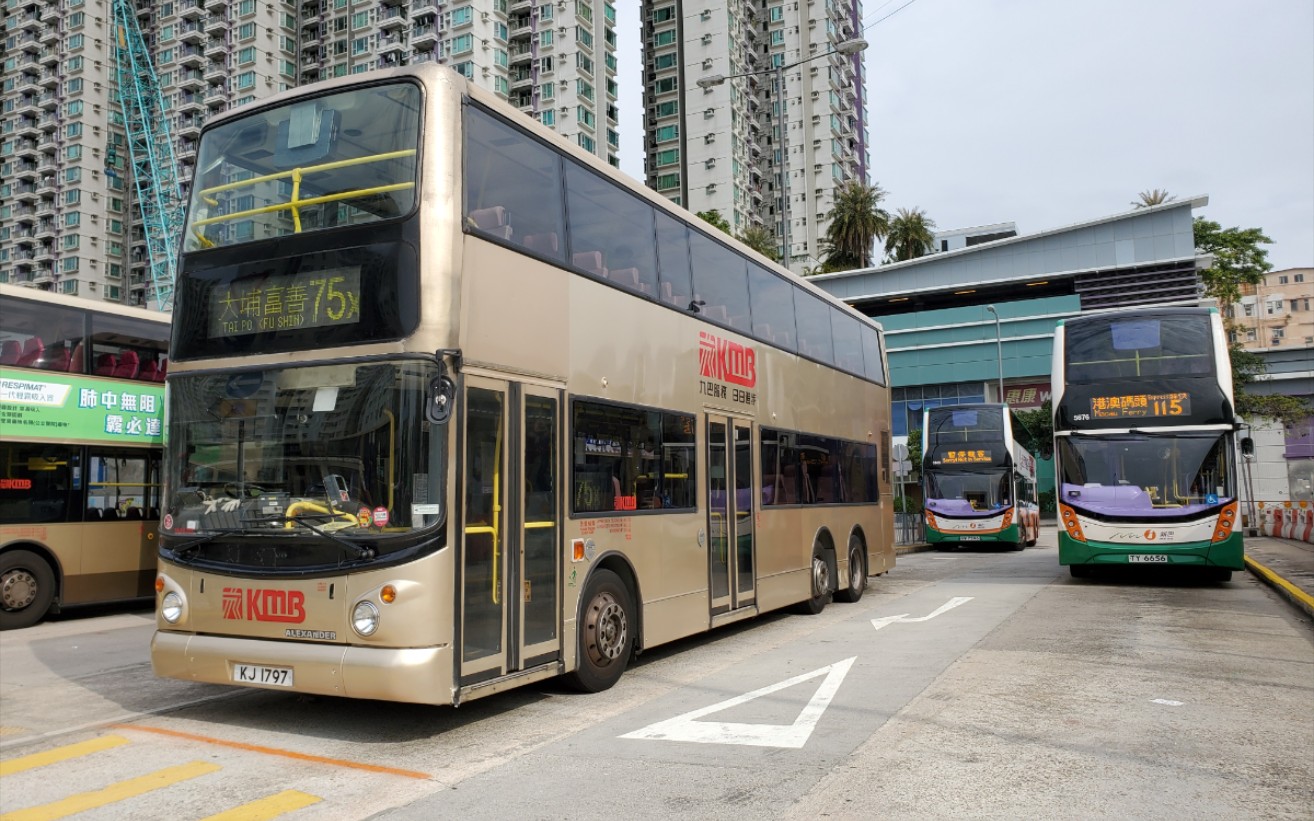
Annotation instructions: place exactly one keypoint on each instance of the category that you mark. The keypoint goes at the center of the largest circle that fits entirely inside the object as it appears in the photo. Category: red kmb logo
(727, 361)
(260, 604)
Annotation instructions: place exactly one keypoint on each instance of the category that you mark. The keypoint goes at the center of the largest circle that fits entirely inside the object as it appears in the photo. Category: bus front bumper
(1226, 553)
(937, 536)
(422, 675)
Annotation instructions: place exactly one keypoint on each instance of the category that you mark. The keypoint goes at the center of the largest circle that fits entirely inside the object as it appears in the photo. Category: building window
(671, 156)
(1282, 279)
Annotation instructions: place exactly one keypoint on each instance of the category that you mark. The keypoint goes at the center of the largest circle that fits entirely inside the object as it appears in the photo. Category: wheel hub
(18, 589)
(607, 629)
(820, 576)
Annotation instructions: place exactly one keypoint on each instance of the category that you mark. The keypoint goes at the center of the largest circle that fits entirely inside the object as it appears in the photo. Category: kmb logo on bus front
(264, 605)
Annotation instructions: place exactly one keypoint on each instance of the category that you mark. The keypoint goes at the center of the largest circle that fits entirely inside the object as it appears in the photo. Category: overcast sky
(1047, 113)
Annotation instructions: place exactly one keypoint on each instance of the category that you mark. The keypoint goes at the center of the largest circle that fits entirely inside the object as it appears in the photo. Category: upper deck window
(1113, 348)
(341, 159)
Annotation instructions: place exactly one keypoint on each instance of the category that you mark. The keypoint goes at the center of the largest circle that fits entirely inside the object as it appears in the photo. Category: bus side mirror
(1248, 447)
(442, 395)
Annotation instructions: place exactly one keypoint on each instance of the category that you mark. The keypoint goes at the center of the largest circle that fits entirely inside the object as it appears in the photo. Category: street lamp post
(999, 350)
(845, 47)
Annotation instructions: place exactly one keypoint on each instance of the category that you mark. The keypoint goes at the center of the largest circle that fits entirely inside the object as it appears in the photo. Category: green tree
(1149, 199)
(915, 453)
(761, 239)
(714, 218)
(857, 221)
(1240, 261)
(1040, 424)
(911, 235)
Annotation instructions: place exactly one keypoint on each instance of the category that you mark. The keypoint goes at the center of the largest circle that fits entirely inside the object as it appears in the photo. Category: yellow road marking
(115, 792)
(256, 748)
(270, 807)
(29, 762)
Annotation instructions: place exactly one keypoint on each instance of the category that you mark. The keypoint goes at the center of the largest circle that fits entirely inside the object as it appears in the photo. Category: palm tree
(911, 235)
(1148, 199)
(762, 240)
(856, 221)
(714, 218)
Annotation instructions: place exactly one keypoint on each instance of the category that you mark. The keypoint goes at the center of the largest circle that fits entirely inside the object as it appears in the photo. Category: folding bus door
(730, 513)
(510, 599)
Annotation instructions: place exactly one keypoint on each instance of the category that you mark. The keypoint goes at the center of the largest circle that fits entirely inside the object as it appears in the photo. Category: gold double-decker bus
(454, 407)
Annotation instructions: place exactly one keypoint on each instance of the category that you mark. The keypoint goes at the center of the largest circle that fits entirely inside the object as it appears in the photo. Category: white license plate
(1148, 558)
(969, 538)
(259, 674)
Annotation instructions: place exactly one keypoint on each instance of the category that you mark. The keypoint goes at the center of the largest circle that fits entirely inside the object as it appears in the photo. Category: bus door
(730, 513)
(510, 610)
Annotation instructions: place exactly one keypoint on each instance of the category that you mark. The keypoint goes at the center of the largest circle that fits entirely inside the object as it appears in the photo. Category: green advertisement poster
(61, 406)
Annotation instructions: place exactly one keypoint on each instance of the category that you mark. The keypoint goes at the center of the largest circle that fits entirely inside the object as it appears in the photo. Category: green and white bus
(454, 407)
(81, 425)
(1144, 441)
(978, 477)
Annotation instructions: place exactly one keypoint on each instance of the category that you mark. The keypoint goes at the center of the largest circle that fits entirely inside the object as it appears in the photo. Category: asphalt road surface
(974, 684)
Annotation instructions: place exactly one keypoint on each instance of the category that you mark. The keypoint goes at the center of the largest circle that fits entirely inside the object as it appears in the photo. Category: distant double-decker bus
(81, 411)
(978, 477)
(1144, 441)
(455, 407)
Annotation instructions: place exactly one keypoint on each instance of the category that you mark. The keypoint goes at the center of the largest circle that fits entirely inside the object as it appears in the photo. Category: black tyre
(1079, 571)
(606, 633)
(27, 588)
(822, 585)
(857, 572)
(1219, 574)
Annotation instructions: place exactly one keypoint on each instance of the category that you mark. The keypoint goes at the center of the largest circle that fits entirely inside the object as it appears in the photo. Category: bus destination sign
(965, 457)
(1140, 405)
(286, 302)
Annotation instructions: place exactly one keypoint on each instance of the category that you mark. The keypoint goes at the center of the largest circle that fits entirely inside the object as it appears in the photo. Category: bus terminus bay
(81, 416)
(454, 407)
(1144, 431)
(978, 477)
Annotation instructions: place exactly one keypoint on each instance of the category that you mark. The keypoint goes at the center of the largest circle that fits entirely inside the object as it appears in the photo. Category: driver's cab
(264, 495)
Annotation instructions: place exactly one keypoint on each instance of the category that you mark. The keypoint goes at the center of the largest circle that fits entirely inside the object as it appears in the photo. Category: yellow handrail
(295, 204)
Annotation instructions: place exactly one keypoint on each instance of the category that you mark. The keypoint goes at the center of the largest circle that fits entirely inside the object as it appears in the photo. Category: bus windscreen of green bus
(1146, 475)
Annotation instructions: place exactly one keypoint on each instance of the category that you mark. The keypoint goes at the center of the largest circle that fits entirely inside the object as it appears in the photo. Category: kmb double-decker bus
(81, 417)
(1144, 429)
(454, 406)
(978, 477)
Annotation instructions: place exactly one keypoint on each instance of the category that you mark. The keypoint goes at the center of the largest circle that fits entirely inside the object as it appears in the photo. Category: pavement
(1286, 565)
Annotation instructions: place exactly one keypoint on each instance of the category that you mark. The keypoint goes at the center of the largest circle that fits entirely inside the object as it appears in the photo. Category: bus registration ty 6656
(259, 674)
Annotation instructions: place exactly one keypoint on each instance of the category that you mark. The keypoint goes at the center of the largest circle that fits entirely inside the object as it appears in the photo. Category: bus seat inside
(493, 220)
(590, 261)
(33, 348)
(75, 363)
(627, 277)
(128, 365)
(105, 364)
(11, 352)
(542, 243)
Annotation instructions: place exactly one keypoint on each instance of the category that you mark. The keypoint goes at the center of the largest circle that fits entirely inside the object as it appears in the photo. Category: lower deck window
(628, 458)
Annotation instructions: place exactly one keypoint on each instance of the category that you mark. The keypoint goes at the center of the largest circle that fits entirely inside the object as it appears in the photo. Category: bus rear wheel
(27, 588)
(822, 587)
(606, 633)
(857, 572)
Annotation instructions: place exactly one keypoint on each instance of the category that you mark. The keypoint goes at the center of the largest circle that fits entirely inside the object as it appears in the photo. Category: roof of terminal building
(1144, 256)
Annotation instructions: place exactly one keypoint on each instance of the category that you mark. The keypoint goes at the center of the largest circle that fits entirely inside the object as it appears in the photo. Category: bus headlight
(171, 607)
(1226, 521)
(1071, 524)
(365, 618)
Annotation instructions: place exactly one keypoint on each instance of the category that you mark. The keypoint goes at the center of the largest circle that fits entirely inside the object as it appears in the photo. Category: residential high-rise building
(68, 220)
(757, 153)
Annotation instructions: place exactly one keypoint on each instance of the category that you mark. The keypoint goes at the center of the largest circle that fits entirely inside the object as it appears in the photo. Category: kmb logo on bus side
(264, 605)
(726, 361)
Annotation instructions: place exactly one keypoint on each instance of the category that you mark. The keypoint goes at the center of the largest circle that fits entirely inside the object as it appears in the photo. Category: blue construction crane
(151, 152)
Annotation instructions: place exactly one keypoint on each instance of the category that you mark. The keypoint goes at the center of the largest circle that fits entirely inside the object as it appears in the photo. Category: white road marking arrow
(903, 619)
(687, 727)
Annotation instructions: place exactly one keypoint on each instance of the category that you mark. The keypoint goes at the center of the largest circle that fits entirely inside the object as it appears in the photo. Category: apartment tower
(755, 152)
(68, 219)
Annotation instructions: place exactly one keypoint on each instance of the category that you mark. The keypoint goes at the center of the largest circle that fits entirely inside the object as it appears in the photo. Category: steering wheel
(233, 490)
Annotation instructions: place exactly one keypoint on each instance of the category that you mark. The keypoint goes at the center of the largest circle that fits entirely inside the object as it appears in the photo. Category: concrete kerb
(1284, 588)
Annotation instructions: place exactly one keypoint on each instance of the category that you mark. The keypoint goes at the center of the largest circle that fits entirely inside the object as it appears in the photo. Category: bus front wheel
(857, 572)
(27, 588)
(606, 637)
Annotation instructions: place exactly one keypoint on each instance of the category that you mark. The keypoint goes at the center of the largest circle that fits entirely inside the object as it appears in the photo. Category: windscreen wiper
(305, 519)
(189, 546)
